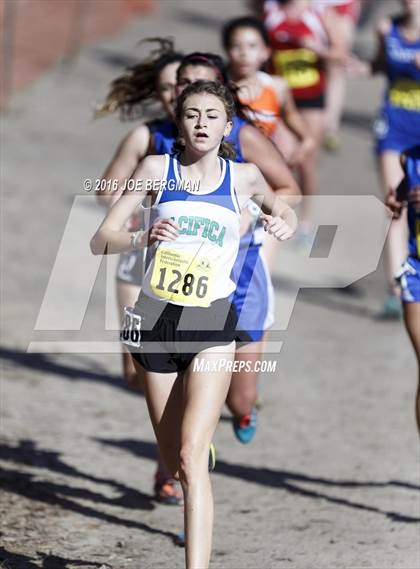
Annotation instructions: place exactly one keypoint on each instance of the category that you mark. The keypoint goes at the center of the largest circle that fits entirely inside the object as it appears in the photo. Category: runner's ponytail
(137, 88)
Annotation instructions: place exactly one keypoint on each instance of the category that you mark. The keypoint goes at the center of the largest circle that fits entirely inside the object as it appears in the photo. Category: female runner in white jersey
(154, 79)
(184, 404)
(251, 146)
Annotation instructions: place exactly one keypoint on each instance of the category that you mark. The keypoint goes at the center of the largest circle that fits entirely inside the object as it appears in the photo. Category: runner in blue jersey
(408, 193)
(398, 125)
(151, 80)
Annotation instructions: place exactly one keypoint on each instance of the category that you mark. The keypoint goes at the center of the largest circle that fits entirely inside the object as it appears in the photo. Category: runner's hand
(163, 230)
(393, 204)
(356, 67)
(302, 152)
(277, 227)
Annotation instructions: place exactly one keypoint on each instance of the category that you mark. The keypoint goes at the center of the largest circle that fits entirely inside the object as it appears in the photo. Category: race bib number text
(183, 277)
(130, 330)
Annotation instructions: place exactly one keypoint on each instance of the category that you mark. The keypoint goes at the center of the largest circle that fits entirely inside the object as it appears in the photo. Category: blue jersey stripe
(174, 190)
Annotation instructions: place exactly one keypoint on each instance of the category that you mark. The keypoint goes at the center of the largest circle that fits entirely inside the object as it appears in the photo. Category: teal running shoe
(392, 309)
(246, 427)
(179, 539)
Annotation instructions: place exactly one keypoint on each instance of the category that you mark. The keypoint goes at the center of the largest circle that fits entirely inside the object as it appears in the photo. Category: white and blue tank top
(195, 269)
(165, 132)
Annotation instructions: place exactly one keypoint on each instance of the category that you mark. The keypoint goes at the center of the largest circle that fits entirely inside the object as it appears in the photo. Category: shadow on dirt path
(11, 560)
(44, 363)
(285, 480)
(64, 495)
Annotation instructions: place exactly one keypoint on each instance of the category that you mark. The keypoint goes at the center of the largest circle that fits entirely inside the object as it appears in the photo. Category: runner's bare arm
(336, 50)
(129, 153)
(363, 68)
(288, 110)
(396, 199)
(293, 121)
(110, 238)
(291, 115)
(378, 63)
(259, 150)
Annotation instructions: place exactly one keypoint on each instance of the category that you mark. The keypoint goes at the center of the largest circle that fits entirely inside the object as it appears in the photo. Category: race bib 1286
(184, 277)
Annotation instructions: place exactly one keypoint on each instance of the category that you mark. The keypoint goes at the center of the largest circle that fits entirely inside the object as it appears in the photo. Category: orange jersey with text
(265, 108)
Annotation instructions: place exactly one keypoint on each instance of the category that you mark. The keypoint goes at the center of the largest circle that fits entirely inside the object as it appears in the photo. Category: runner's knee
(241, 401)
(191, 459)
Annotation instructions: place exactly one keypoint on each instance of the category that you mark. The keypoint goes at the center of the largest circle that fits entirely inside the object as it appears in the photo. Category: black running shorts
(172, 335)
(312, 103)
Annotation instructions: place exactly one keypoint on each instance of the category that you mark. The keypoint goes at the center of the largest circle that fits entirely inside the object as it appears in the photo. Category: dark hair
(244, 22)
(204, 59)
(220, 91)
(216, 63)
(132, 92)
